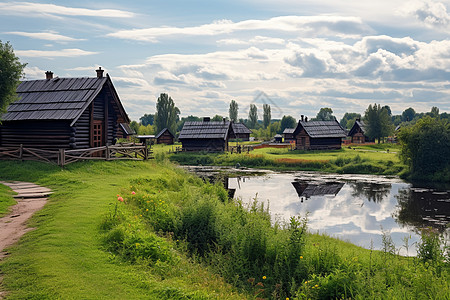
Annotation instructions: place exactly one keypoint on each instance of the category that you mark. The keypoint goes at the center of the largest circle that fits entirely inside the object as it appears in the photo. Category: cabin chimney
(48, 75)
(303, 118)
(206, 119)
(99, 72)
(306, 119)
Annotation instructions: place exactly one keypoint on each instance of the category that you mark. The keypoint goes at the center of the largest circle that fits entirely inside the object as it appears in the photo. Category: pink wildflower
(120, 199)
(133, 193)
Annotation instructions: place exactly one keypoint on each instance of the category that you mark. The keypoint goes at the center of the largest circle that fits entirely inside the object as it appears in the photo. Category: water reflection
(306, 190)
(419, 207)
(374, 192)
(350, 207)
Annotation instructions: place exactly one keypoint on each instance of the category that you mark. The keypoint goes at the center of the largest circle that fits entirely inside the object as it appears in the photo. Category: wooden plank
(33, 195)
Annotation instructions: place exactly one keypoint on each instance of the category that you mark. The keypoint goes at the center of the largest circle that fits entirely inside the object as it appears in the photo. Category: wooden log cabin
(241, 131)
(318, 135)
(206, 135)
(64, 113)
(165, 137)
(357, 133)
(288, 135)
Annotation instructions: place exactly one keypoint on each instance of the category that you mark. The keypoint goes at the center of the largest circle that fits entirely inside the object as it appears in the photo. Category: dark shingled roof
(360, 124)
(288, 130)
(240, 128)
(321, 129)
(56, 98)
(205, 130)
(127, 129)
(162, 131)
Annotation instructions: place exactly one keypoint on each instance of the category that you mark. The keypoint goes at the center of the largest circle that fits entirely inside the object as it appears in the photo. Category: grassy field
(65, 257)
(368, 159)
(147, 230)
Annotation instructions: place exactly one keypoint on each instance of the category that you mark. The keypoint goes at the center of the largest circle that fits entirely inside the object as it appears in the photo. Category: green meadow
(149, 230)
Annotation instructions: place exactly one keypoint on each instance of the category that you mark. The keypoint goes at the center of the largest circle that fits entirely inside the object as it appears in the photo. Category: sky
(297, 56)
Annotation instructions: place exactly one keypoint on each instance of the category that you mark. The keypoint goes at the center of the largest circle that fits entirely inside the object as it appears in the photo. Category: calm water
(355, 208)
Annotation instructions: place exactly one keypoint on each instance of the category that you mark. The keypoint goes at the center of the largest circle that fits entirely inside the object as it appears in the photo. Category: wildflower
(260, 284)
(301, 257)
(137, 244)
(133, 193)
(264, 277)
(140, 215)
(306, 282)
(287, 298)
(316, 286)
(119, 199)
(250, 280)
(146, 209)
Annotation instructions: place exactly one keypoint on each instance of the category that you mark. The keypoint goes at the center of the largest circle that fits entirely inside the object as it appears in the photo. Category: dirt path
(30, 198)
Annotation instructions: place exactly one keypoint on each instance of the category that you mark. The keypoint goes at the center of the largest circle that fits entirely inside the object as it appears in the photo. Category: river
(354, 208)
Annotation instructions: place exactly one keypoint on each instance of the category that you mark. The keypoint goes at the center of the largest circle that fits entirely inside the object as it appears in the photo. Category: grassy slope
(63, 257)
(6, 199)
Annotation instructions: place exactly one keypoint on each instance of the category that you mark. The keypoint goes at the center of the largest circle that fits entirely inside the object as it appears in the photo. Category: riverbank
(149, 230)
(354, 159)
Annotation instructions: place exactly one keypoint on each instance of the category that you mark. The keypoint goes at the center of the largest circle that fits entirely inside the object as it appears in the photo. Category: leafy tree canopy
(349, 119)
(287, 122)
(378, 122)
(253, 116)
(10, 72)
(408, 114)
(325, 114)
(267, 115)
(426, 148)
(167, 114)
(147, 119)
(233, 111)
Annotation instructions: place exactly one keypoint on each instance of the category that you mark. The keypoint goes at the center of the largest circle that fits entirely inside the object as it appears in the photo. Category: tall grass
(276, 261)
(6, 199)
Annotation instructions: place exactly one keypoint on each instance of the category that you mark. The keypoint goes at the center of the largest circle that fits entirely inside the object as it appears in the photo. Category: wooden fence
(63, 157)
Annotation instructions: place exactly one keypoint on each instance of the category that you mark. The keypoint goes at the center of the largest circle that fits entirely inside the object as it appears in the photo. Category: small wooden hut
(288, 135)
(241, 132)
(165, 137)
(357, 133)
(206, 135)
(64, 113)
(318, 135)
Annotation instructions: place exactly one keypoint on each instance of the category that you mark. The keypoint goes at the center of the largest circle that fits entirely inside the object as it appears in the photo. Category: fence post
(107, 154)
(21, 151)
(62, 157)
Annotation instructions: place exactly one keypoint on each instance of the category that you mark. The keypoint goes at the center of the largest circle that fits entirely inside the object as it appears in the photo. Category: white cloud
(326, 25)
(32, 73)
(45, 10)
(48, 36)
(55, 53)
(431, 13)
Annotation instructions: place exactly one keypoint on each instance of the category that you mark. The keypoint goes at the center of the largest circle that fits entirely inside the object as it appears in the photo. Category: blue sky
(297, 56)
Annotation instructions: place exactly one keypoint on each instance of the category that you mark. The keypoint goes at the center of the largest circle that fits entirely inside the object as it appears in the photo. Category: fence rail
(63, 157)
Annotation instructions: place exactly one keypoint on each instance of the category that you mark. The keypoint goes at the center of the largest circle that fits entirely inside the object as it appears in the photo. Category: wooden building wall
(213, 145)
(50, 135)
(304, 142)
(165, 138)
(242, 136)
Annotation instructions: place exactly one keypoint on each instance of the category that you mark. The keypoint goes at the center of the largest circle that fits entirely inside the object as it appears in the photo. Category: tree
(378, 122)
(233, 111)
(434, 112)
(426, 148)
(325, 114)
(408, 114)
(166, 113)
(147, 119)
(135, 126)
(253, 116)
(388, 108)
(267, 116)
(287, 122)
(217, 118)
(349, 119)
(10, 72)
